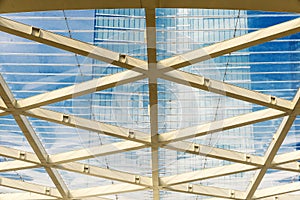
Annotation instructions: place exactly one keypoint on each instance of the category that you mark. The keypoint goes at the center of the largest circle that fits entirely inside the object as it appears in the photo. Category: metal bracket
(35, 31)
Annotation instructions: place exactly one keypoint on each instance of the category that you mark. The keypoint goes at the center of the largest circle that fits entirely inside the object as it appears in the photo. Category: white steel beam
(82, 154)
(58, 160)
(228, 46)
(286, 158)
(278, 138)
(229, 155)
(283, 197)
(292, 166)
(29, 187)
(217, 153)
(69, 44)
(136, 64)
(39, 150)
(225, 124)
(105, 190)
(153, 98)
(33, 196)
(277, 190)
(207, 191)
(25, 196)
(32, 138)
(219, 87)
(106, 173)
(206, 174)
(19, 155)
(8, 6)
(87, 124)
(79, 89)
(16, 165)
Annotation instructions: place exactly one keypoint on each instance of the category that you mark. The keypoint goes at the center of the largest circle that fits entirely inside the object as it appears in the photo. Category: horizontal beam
(225, 124)
(106, 173)
(86, 153)
(71, 45)
(219, 87)
(105, 190)
(207, 191)
(228, 46)
(89, 125)
(205, 174)
(8, 6)
(29, 187)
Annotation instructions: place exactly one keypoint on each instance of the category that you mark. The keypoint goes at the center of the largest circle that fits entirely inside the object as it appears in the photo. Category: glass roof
(90, 116)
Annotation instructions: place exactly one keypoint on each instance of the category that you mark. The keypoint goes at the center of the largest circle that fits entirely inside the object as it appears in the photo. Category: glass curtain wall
(178, 31)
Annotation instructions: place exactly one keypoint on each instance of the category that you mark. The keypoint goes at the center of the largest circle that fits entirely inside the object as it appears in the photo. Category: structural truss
(168, 69)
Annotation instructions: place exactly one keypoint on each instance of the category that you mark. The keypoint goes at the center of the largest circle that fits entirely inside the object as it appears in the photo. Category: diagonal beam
(278, 138)
(286, 158)
(33, 196)
(277, 190)
(219, 87)
(79, 89)
(292, 167)
(153, 98)
(58, 160)
(39, 150)
(217, 153)
(229, 155)
(68, 44)
(207, 191)
(16, 165)
(8, 6)
(138, 63)
(105, 190)
(228, 46)
(19, 155)
(188, 147)
(25, 196)
(82, 154)
(206, 174)
(106, 173)
(222, 125)
(29, 187)
(89, 125)
(32, 138)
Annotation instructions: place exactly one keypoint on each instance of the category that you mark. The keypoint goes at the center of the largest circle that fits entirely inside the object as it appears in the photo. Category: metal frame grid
(138, 69)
